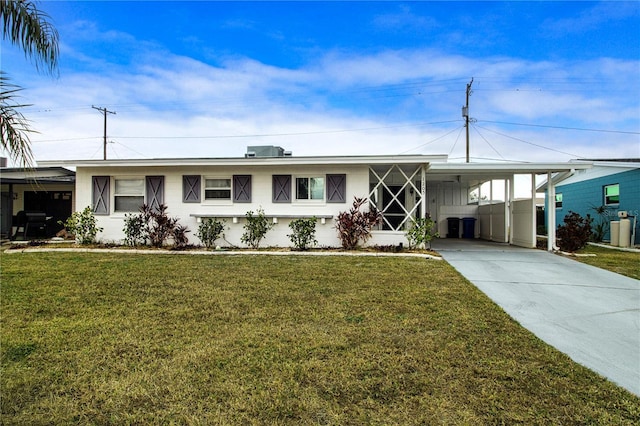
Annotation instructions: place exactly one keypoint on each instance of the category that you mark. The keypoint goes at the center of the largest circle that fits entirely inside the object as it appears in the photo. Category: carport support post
(551, 213)
(534, 215)
(423, 190)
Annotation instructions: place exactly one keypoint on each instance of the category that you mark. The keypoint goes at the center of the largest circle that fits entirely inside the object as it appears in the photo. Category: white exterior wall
(357, 184)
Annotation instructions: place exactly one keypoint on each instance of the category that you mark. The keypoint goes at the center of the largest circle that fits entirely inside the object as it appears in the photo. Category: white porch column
(534, 211)
(423, 190)
(509, 196)
(491, 210)
(551, 212)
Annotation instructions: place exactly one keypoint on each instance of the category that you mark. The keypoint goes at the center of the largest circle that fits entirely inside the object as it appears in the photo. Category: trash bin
(453, 227)
(468, 227)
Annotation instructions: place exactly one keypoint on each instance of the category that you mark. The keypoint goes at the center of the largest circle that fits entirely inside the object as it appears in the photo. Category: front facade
(286, 187)
(609, 187)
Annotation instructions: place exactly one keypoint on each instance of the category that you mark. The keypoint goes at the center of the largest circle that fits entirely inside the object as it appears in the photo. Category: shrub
(179, 235)
(355, 225)
(209, 231)
(154, 227)
(82, 225)
(255, 228)
(421, 232)
(575, 232)
(601, 227)
(135, 229)
(304, 232)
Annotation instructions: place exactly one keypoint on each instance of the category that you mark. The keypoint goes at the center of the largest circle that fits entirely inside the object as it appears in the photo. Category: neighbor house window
(310, 188)
(558, 201)
(217, 189)
(129, 194)
(612, 194)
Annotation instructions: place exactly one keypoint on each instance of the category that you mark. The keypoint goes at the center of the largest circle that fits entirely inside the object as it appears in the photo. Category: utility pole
(465, 114)
(104, 111)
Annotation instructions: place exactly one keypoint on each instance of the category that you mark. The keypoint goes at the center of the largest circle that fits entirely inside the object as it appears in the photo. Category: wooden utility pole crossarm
(104, 111)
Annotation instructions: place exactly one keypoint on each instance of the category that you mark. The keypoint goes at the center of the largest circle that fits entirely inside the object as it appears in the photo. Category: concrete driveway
(588, 313)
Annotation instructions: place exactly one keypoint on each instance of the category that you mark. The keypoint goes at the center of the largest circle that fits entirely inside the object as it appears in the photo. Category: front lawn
(161, 339)
(618, 261)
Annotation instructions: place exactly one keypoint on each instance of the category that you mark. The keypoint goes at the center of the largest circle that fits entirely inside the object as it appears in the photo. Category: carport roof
(482, 172)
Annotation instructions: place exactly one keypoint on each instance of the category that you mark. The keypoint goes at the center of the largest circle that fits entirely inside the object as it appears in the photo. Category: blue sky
(551, 80)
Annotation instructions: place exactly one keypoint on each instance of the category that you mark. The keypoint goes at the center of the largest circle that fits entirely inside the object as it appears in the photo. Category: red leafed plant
(355, 225)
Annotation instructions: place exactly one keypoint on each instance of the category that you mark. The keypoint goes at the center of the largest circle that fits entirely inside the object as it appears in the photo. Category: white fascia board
(501, 168)
(251, 161)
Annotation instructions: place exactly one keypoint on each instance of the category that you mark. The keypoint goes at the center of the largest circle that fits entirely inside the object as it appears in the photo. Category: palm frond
(14, 127)
(25, 26)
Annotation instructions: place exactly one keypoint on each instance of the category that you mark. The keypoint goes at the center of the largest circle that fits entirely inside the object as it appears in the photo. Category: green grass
(621, 262)
(158, 339)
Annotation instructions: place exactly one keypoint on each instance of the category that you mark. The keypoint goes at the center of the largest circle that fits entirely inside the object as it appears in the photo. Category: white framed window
(559, 201)
(129, 194)
(611, 194)
(310, 188)
(217, 188)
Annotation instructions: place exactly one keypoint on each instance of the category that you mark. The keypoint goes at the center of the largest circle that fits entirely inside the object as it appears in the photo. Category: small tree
(355, 225)
(255, 228)
(575, 232)
(210, 230)
(421, 232)
(83, 226)
(304, 232)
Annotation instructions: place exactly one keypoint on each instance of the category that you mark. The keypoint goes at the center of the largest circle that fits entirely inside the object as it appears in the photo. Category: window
(558, 201)
(217, 189)
(310, 188)
(612, 194)
(129, 194)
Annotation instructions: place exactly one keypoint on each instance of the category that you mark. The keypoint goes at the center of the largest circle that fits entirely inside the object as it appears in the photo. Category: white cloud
(175, 106)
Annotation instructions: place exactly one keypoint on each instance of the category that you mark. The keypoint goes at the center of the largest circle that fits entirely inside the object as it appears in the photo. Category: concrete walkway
(588, 313)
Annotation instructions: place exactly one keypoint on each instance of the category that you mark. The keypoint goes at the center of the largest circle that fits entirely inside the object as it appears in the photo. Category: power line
(563, 127)
(529, 143)
(266, 135)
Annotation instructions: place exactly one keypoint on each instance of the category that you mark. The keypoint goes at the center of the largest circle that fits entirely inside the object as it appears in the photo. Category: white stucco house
(286, 187)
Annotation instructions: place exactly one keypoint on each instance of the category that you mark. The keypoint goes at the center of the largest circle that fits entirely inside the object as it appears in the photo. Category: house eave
(275, 161)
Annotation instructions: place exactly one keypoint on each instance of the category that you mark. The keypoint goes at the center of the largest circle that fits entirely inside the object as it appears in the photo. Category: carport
(493, 194)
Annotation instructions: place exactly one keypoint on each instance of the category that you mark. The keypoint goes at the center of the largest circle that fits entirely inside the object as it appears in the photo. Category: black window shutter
(241, 188)
(336, 188)
(191, 189)
(100, 196)
(155, 192)
(281, 188)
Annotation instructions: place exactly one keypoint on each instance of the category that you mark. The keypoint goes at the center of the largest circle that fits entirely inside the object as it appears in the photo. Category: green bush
(210, 230)
(421, 232)
(255, 228)
(304, 232)
(83, 226)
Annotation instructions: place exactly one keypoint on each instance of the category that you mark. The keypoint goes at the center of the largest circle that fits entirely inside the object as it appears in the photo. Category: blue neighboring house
(611, 186)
